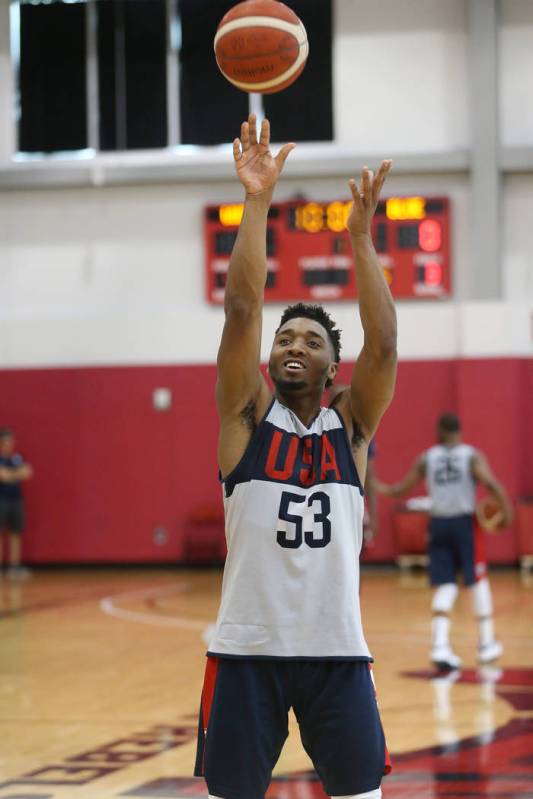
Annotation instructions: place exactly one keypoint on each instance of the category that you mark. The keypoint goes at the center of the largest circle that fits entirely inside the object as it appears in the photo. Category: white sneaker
(489, 652)
(18, 574)
(444, 659)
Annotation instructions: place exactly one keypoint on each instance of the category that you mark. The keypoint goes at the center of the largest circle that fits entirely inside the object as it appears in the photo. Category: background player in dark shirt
(13, 471)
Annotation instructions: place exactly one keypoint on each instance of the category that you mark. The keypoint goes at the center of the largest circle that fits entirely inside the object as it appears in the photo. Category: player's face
(6, 446)
(302, 356)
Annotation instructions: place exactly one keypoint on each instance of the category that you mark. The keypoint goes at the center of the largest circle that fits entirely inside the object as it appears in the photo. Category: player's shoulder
(341, 407)
(468, 449)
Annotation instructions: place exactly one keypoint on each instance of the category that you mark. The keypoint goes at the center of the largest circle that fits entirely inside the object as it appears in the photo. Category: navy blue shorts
(244, 723)
(456, 544)
(11, 515)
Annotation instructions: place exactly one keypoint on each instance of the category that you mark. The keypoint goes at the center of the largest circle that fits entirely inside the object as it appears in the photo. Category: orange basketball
(489, 514)
(261, 46)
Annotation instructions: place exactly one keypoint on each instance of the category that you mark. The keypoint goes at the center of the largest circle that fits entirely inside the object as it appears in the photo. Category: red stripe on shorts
(208, 691)
(387, 768)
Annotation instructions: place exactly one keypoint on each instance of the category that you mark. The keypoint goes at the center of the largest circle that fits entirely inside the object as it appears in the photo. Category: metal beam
(121, 105)
(209, 164)
(485, 280)
(8, 78)
(93, 92)
(172, 73)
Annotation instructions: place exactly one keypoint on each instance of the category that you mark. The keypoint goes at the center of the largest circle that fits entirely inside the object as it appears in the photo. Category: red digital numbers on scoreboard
(309, 253)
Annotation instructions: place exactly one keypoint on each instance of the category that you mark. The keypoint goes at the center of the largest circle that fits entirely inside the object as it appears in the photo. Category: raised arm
(371, 501)
(482, 473)
(373, 378)
(240, 385)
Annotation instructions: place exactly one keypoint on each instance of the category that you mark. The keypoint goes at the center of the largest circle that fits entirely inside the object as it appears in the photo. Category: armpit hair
(357, 434)
(248, 415)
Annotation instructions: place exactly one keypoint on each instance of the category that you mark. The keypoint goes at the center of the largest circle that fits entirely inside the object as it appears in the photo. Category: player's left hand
(365, 198)
(257, 169)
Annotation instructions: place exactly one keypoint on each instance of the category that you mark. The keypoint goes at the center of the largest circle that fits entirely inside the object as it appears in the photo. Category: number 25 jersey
(294, 528)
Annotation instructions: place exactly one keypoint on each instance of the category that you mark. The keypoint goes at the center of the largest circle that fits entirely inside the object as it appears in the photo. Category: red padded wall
(109, 469)
(525, 410)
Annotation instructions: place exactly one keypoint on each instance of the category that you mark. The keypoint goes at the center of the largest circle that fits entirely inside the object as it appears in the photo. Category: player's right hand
(382, 488)
(257, 169)
(366, 198)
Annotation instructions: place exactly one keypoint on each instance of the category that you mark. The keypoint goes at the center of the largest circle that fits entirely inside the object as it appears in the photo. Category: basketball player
(288, 632)
(13, 470)
(452, 470)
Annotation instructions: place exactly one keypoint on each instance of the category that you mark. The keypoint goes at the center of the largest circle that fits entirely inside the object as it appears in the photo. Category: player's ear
(332, 371)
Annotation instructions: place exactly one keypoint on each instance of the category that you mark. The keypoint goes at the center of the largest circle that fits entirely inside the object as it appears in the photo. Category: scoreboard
(309, 254)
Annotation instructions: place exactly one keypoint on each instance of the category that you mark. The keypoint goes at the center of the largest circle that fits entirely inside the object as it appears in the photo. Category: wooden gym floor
(101, 671)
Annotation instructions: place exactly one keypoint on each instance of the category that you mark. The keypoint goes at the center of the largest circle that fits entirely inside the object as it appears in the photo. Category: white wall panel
(448, 330)
(80, 264)
(401, 75)
(518, 238)
(116, 275)
(516, 73)
(497, 329)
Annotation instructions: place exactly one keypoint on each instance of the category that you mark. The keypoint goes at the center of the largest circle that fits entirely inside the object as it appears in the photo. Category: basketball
(261, 46)
(489, 514)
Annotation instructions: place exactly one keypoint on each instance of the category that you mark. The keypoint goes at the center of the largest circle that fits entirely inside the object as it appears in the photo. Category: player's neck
(305, 406)
(451, 442)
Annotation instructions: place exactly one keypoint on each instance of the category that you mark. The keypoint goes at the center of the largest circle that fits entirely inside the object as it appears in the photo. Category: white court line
(108, 605)
(507, 640)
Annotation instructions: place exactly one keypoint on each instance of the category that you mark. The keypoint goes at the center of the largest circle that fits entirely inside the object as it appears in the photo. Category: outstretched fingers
(356, 194)
(249, 133)
(245, 136)
(252, 127)
(283, 153)
(380, 178)
(370, 187)
(366, 183)
(264, 138)
(237, 154)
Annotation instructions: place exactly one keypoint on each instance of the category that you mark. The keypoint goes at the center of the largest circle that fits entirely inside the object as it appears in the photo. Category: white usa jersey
(294, 529)
(451, 485)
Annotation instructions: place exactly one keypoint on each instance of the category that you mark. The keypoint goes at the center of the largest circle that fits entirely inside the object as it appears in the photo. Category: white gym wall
(115, 274)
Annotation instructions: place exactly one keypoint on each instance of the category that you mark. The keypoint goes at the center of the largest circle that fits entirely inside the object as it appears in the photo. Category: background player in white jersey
(289, 631)
(452, 469)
